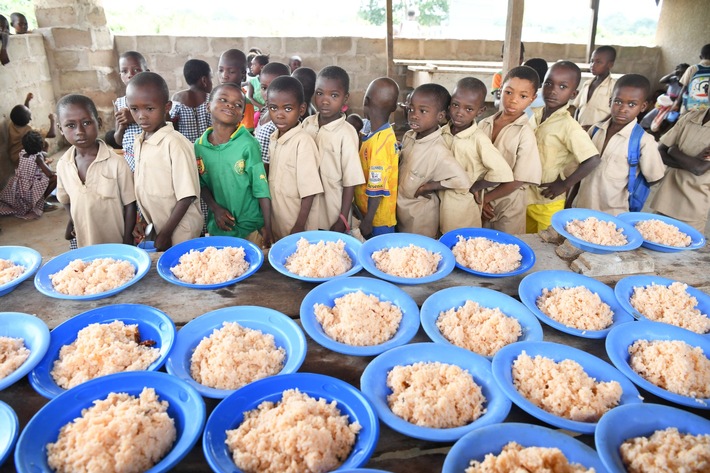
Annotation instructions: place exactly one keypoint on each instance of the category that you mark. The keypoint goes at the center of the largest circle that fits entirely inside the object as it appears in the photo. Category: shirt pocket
(286, 181)
(411, 183)
(107, 187)
(617, 169)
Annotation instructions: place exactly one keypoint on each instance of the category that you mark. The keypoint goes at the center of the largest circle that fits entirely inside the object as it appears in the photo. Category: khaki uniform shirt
(166, 172)
(339, 165)
(473, 150)
(606, 188)
(598, 107)
(293, 175)
(424, 160)
(517, 143)
(96, 204)
(561, 141)
(682, 194)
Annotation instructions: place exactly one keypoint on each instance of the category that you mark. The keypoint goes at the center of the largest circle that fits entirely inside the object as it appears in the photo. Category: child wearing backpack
(695, 81)
(630, 157)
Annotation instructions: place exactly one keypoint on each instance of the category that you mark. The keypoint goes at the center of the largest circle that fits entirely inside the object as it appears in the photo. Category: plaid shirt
(263, 136)
(191, 122)
(129, 136)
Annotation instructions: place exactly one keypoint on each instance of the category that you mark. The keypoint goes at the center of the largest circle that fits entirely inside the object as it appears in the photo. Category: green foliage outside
(431, 12)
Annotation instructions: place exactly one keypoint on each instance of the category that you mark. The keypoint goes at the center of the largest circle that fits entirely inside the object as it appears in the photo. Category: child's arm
(129, 222)
(300, 224)
(481, 184)
(164, 239)
(345, 205)
(429, 187)
(28, 99)
(250, 91)
(123, 119)
(266, 234)
(69, 233)
(51, 133)
(222, 217)
(502, 190)
(675, 158)
(44, 168)
(366, 224)
(550, 190)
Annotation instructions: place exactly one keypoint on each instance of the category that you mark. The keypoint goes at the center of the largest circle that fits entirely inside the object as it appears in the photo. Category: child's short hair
(237, 56)
(608, 50)
(289, 85)
(336, 73)
(20, 115)
(307, 77)
(32, 142)
(151, 79)
(472, 85)
(230, 85)
(261, 59)
(572, 67)
(439, 92)
(705, 51)
(636, 81)
(15, 16)
(80, 100)
(109, 139)
(4, 23)
(276, 69)
(540, 66)
(355, 120)
(137, 56)
(526, 73)
(194, 70)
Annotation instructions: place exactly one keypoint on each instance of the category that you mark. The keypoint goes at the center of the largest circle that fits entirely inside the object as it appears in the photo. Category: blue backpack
(638, 185)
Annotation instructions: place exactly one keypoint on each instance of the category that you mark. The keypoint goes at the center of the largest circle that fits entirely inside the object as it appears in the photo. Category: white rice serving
(13, 353)
(671, 305)
(10, 271)
(599, 232)
(80, 278)
(324, 259)
(487, 256)
(657, 231)
(211, 266)
(667, 450)
(516, 458)
(407, 262)
(576, 307)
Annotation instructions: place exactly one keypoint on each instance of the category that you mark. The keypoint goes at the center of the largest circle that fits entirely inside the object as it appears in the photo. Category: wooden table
(395, 452)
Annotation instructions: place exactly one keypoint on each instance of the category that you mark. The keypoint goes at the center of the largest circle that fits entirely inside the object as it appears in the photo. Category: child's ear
(441, 116)
(347, 96)
(168, 106)
(100, 122)
(644, 106)
(302, 109)
(481, 110)
(574, 94)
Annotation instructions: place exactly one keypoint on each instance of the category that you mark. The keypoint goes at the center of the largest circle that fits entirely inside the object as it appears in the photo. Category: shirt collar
(434, 135)
(159, 135)
(461, 134)
(289, 134)
(373, 133)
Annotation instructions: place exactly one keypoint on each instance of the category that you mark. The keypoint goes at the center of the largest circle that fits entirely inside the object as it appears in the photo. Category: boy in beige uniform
(293, 172)
(426, 165)
(606, 187)
(592, 102)
(504, 207)
(338, 145)
(685, 191)
(473, 150)
(166, 177)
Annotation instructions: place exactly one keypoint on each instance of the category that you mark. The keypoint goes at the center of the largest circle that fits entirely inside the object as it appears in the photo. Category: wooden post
(389, 41)
(513, 31)
(594, 5)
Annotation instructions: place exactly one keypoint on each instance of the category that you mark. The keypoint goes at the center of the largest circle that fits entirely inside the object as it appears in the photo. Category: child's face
(147, 107)
(294, 64)
(329, 97)
(78, 125)
(284, 110)
(517, 95)
(255, 67)
(265, 81)
(129, 67)
(626, 104)
(559, 87)
(600, 64)
(227, 106)
(465, 106)
(230, 71)
(424, 114)
(20, 24)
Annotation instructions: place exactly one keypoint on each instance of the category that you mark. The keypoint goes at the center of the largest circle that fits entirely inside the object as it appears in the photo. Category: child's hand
(297, 229)
(553, 189)
(488, 212)
(69, 233)
(51, 117)
(424, 191)
(29, 97)
(163, 241)
(704, 154)
(365, 228)
(139, 231)
(224, 220)
(267, 237)
(124, 117)
(339, 227)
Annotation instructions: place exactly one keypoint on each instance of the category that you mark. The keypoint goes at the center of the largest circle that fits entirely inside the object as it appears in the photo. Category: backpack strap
(634, 152)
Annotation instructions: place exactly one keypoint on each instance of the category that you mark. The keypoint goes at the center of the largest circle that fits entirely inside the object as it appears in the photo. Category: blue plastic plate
(361, 470)
(621, 338)
(593, 366)
(137, 257)
(373, 383)
(531, 287)
(23, 256)
(624, 289)
(229, 414)
(697, 240)
(560, 219)
(186, 408)
(35, 334)
(399, 240)
(9, 428)
(326, 294)
(491, 439)
(287, 334)
(637, 420)
(450, 240)
(147, 245)
(153, 324)
(455, 297)
(285, 247)
(171, 258)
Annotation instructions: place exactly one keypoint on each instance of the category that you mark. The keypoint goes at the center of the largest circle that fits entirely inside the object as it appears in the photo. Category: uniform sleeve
(307, 176)
(186, 182)
(579, 143)
(448, 172)
(62, 195)
(350, 158)
(650, 160)
(497, 169)
(528, 167)
(672, 137)
(124, 179)
(256, 171)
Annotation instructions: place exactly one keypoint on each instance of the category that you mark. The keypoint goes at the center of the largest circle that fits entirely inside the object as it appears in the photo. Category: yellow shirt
(598, 107)
(379, 157)
(561, 141)
(96, 204)
(424, 160)
(166, 172)
(606, 187)
(293, 175)
(339, 165)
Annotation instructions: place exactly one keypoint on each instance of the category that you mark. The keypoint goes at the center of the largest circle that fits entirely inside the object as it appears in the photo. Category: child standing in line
(94, 183)
(307, 77)
(166, 178)
(473, 150)
(293, 180)
(561, 142)
(606, 187)
(592, 102)
(130, 63)
(190, 114)
(510, 131)
(232, 176)
(379, 158)
(265, 127)
(232, 68)
(20, 118)
(254, 85)
(338, 144)
(426, 164)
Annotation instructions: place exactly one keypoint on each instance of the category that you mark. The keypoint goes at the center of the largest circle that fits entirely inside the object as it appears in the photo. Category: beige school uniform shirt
(516, 142)
(561, 142)
(597, 107)
(421, 161)
(606, 188)
(166, 172)
(96, 204)
(682, 194)
(473, 150)
(339, 165)
(293, 175)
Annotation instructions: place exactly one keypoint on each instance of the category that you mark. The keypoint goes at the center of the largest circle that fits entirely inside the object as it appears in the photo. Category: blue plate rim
(36, 353)
(633, 218)
(13, 430)
(560, 218)
(8, 286)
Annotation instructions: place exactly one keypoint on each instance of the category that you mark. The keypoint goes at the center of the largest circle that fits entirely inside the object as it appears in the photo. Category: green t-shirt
(234, 173)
